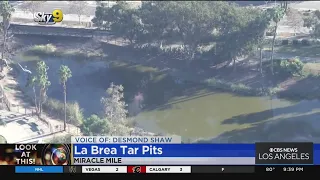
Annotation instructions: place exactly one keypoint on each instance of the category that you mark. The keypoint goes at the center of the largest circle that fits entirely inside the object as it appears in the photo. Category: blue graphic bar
(39, 169)
(163, 150)
(180, 150)
(316, 154)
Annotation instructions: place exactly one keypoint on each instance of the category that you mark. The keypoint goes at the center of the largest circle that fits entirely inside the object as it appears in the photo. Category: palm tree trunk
(40, 102)
(3, 46)
(261, 60)
(35, 99)
(65, 107)
(272, 48)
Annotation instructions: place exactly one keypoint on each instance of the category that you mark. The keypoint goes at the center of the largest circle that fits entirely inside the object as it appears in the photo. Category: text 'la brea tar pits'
(123, 149)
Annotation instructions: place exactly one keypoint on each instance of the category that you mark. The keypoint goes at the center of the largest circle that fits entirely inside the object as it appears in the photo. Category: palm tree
(32, 82)
(65, 73)
(277, 15)
(6, 11)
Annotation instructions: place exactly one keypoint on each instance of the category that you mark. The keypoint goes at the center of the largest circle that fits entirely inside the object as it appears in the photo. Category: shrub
(316, 31)
(285, 42)
(289, 67)
(306, 14)
(305, 42)
(269, 33)
(295, 42)
(41, 49)
(234, 88)
(60, 139)
(55, 108)
(94, 125)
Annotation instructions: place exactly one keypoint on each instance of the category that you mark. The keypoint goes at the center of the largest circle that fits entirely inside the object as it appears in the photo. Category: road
(306, 5)
(21, 15)
(49, 6)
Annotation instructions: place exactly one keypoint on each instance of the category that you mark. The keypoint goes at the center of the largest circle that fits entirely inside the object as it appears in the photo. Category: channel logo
(48, 18)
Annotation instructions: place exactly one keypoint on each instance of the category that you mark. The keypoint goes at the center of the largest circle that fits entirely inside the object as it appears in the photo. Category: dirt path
(20, 103)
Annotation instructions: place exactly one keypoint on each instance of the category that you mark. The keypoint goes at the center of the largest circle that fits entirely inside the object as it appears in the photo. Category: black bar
(10, 169)
(284, 153)
(256, 169)
(287, 169)
(7, 169)
(222, 169)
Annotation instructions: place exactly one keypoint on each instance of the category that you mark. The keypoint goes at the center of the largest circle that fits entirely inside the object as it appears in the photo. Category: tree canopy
(191, 24)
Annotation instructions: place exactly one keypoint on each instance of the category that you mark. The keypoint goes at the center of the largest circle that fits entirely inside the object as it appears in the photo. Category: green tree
(33, 82)
(191, 24)
(243, 37)
(122, 20)
(115, 108)
(64, 73)
(277, 15)
(101, 18)
(94, 125)
(43, 83)
(6, 11)
(312, 21)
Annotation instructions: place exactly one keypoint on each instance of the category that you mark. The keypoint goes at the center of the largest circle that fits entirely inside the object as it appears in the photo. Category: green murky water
(202, 114)
(206, 114)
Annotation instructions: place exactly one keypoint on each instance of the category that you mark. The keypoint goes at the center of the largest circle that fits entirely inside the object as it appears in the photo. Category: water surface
(222, 117)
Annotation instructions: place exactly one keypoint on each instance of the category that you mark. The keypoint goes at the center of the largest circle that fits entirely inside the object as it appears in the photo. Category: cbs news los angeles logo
(48, 18)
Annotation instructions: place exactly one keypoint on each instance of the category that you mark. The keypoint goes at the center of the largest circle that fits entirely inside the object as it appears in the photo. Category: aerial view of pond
(205, 114)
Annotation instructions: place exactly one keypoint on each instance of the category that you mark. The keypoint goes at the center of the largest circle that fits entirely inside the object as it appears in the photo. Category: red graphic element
(136, 169)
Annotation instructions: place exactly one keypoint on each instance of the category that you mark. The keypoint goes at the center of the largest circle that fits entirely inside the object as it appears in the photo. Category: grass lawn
(312, 68)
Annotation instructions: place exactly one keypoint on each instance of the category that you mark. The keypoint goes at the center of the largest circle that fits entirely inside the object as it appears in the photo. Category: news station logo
(284, 153)
(34, 154)
(48, 18)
